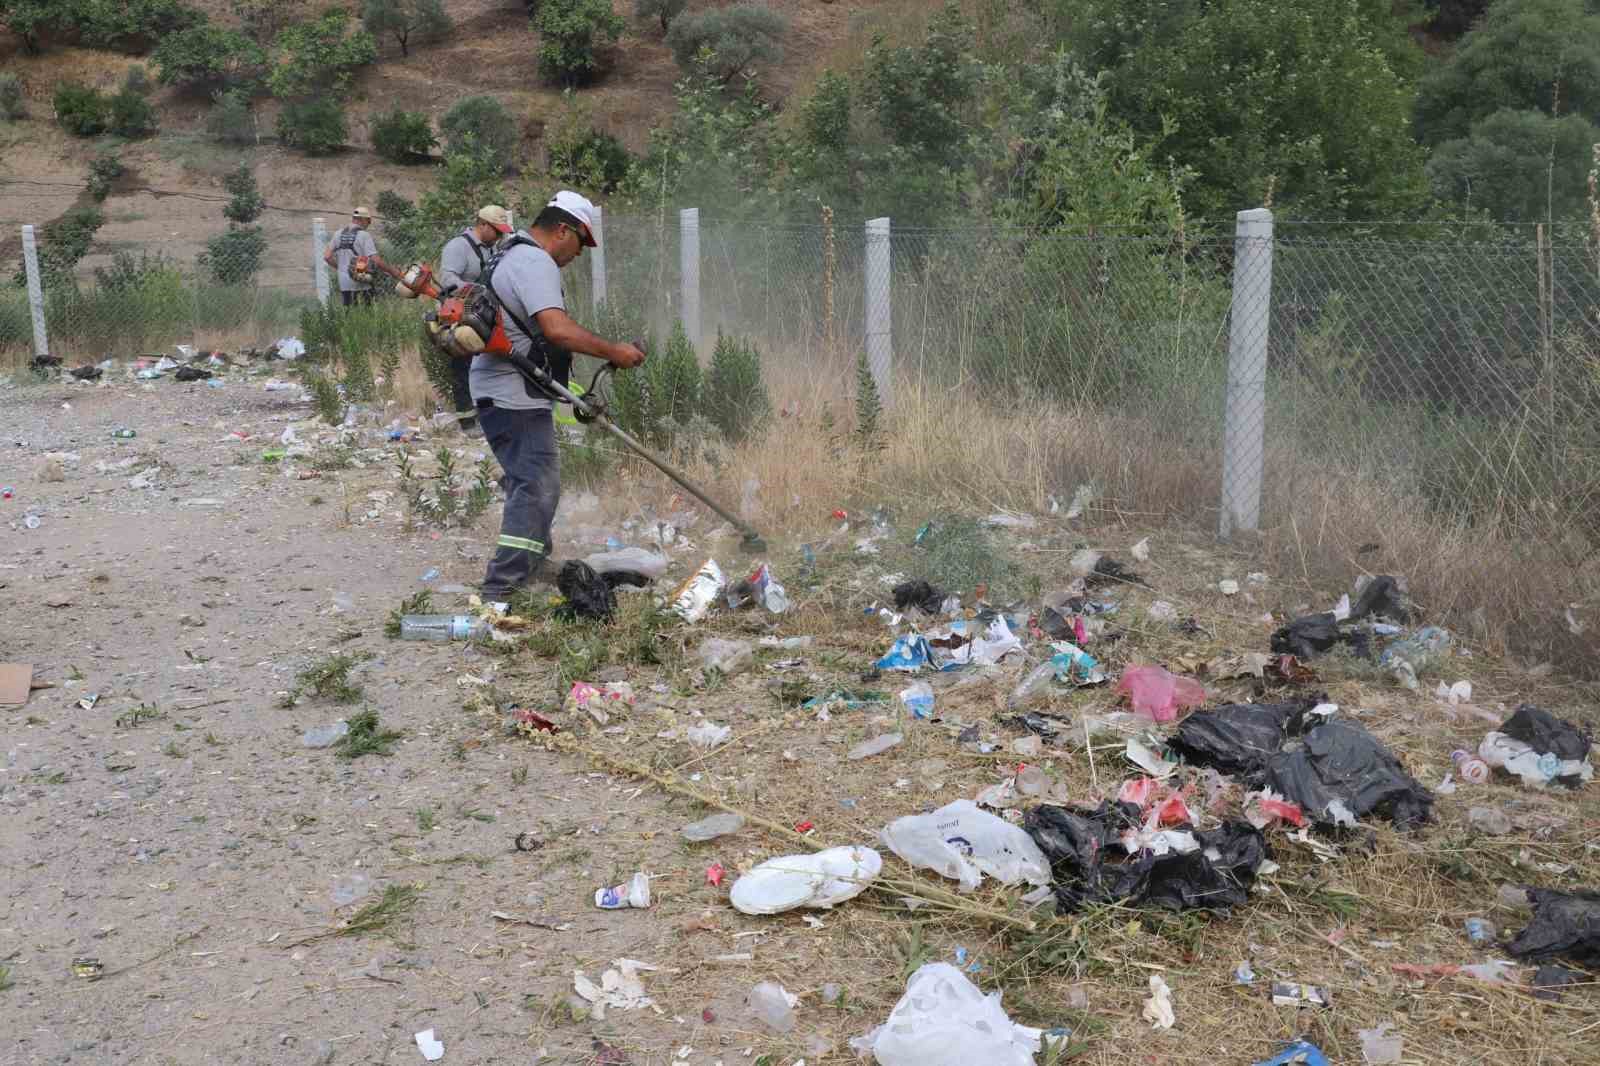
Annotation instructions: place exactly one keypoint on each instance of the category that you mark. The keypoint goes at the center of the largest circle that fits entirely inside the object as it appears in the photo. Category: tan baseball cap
(361, 212)
(579, 207)
(496, 216)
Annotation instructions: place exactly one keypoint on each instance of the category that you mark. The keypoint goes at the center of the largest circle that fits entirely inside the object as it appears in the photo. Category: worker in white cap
(461, 261)
(518, 422)
(351, 243)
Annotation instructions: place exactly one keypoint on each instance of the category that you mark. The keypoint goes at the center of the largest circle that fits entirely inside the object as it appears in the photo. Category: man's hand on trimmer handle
(627, 356)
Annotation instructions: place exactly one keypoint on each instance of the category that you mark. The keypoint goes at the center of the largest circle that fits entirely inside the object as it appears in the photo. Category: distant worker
(462, 261)
(349, 244)
(519, 422)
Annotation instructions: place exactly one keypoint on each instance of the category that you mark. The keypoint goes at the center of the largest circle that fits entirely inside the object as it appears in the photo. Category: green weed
(421, 603)
(328, 678)
(366, 737)
(145, 712)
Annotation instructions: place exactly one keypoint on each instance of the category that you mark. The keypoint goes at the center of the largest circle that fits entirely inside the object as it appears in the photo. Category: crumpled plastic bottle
(773, 1006)
(1409, 658)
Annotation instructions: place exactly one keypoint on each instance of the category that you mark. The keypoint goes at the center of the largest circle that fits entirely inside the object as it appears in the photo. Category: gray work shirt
(526, 281)
(459, 261)
(363, 244)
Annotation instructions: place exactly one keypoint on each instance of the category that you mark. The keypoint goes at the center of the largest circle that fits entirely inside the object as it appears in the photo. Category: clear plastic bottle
(442, 627)
(1409, 658)
(1031, 687)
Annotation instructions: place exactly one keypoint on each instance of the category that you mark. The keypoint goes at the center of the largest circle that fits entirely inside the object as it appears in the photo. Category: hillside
(491, 51)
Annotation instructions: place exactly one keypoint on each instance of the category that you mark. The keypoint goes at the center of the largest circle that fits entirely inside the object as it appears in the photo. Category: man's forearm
(575, 338)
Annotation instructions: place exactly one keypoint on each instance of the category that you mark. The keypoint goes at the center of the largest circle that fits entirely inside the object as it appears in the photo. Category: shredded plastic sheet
(1157, 694)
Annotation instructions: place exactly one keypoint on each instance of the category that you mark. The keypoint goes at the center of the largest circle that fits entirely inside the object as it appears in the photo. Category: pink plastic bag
(1153, 692)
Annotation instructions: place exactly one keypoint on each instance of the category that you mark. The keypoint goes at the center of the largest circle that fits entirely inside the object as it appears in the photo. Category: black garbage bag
(1317, 634)
(1382, 597)
(1550, 980)
(1082, 845)
(1108, 571)
(191, 373)
(1564, 925)
(1055, 625)
(918, 594)
(588, 594)
(1543, 731)
(87, 372)
(1339, 772)
(1240, 738)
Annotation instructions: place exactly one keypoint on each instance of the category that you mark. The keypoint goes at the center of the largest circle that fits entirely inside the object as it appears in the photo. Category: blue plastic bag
(1297, 1053)
(910, 653)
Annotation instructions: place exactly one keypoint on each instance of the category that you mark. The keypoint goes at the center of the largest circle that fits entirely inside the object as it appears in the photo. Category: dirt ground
(198, 850)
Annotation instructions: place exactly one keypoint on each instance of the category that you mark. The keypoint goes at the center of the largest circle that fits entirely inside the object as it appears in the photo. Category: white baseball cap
(360, 212)
(580, 208)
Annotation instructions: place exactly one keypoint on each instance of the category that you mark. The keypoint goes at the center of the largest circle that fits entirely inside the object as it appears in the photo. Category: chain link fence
(1463, 373)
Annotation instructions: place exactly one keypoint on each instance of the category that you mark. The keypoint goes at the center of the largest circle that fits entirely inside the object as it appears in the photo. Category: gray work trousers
(524, 443)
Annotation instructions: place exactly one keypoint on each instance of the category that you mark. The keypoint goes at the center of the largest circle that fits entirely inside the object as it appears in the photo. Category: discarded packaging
(707, 734)
(1159, 695)
(773, 1006)
(1379, 1045)
(432, 1050)
(1409, 658)
(963, 842)
(1162, 611)
(1489, 820)
(1288, 994)
(1158, 1008)
(620, 988)
(1299, 1053)
(1540, 748)
(819, 880)
(910, 653)
(325, 736)
(651, 564)
(874, 746)
(1471, 768)
(1480, 931)
(635, 892)
(728, 657)
(717, 825)
(944, 1020)
(918, 699)
(598, 700)
(695, 597)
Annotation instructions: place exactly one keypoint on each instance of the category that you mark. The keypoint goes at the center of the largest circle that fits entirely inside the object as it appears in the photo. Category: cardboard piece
(16, 679)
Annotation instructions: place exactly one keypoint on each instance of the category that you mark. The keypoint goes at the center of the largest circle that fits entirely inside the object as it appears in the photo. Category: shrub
(11, 105)
(246, 203)
(403, 136)
(391, 206)
(65, 241)
(735, 398)
(231, 118)
(132, 24)
(319, 55)
(234, 256)
(674, 379)
(103, 170)
(129, 114)
(570, 31)
(128, 274)
(137, 80)
(405, 20)
(208, 56)
(663, 10)
(589, 159)
(316, 126)
(740, 36)
(80, 110)
(869, 407)
(480, 124)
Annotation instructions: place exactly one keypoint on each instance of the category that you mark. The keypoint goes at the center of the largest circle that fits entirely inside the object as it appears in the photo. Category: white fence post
(597, 260)
(1244, 431)
(30, 260)
(689, 271)
(319, 268)
(879, 302)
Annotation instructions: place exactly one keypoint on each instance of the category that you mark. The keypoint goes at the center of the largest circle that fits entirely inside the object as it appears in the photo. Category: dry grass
(1341, 924)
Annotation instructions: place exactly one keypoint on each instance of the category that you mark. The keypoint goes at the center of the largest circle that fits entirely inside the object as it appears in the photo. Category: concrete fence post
(879, 305)
(1244, 428)
(30, 260)
(319, 268)
(689, 271)
(597, 260)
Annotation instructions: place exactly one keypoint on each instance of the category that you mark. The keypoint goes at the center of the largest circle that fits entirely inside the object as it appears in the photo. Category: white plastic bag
(640, 560)
(944, 1020)
(963, 842)
(819, 880)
